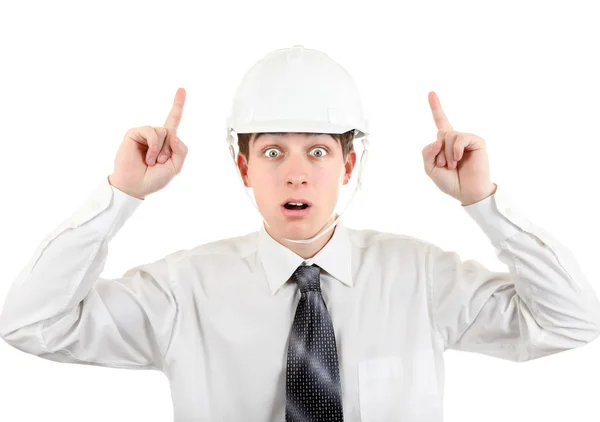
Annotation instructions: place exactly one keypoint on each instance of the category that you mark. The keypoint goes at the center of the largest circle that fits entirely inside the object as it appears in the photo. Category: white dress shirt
(216, 319)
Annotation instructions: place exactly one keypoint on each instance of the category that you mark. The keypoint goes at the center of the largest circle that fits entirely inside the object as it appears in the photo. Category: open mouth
(295, 206)
(295, 209)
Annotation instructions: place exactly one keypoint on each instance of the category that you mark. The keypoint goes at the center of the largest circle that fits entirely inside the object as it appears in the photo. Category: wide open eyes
(274, 152)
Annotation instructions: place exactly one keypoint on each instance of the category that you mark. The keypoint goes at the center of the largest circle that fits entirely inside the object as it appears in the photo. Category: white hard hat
(298, 90)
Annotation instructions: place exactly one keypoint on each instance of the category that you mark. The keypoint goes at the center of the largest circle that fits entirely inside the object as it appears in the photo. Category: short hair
(344, 139)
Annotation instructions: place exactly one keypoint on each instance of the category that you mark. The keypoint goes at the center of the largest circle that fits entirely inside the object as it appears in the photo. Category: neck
(307, 250)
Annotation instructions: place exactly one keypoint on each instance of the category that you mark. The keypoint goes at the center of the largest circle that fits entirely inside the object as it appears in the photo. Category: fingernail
(162, 158)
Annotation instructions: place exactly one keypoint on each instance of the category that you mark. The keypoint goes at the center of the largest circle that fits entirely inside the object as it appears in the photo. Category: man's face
(307, 168)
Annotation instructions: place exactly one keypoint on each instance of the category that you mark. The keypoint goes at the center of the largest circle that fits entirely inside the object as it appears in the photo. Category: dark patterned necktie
(313, 389)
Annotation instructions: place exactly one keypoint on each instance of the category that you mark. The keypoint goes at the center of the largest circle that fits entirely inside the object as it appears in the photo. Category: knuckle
(153, 142)
(162, 132)
(155, 135)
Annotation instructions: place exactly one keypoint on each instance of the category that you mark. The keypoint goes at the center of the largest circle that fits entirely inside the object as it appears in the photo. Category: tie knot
(307, 277)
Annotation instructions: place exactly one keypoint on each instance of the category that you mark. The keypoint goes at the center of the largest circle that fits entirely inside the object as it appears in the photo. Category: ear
(242, 165)
(349, 166)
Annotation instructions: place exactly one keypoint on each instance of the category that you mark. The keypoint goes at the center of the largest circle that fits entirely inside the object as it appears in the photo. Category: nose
(297, 180)
(297, 168)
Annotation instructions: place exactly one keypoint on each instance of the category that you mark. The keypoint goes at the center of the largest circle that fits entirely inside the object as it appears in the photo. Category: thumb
(178, 152)
(429, 153)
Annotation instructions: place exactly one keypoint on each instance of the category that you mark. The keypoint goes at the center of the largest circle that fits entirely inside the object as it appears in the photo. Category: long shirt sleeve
(59, 308)
(542, 305)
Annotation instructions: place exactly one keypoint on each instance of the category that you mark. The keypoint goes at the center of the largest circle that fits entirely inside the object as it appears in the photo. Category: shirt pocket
(380, 386)
(395, 387)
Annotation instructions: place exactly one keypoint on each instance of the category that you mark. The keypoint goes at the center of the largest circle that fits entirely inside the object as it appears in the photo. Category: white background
(76, 75)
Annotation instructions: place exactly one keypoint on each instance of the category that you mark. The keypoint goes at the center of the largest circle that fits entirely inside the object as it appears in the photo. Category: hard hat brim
(294, 126)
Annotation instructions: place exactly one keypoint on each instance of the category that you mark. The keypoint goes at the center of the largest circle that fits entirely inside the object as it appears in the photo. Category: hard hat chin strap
(363, 160)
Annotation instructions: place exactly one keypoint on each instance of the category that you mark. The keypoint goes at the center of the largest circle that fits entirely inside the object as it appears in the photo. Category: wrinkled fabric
(216, 318)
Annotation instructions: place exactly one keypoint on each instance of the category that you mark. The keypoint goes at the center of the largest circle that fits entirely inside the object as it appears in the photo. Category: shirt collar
(280, 262)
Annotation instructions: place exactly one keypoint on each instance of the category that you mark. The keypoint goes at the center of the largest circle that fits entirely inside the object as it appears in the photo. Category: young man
(305, 319)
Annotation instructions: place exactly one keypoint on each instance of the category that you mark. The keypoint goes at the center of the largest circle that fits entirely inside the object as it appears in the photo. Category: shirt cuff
(106, 210)
(498, 216)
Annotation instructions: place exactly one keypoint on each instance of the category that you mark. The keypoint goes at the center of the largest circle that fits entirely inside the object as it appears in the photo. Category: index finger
(176, 112)
(441, 121)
